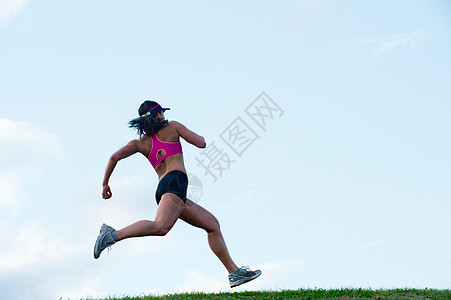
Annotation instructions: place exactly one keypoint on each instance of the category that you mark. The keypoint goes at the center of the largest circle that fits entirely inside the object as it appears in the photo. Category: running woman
(159, 142)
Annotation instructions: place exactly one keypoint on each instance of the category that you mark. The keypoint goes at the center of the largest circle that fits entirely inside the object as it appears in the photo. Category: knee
(162, 230)
(213, 225)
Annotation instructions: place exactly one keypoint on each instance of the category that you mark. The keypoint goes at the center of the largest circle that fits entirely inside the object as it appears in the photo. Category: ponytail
(147, 125)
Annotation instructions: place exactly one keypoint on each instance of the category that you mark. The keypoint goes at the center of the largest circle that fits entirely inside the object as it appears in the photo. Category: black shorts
(174, 182)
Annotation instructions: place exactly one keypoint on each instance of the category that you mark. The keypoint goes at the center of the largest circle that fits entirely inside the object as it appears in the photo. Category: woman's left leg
(198, 216)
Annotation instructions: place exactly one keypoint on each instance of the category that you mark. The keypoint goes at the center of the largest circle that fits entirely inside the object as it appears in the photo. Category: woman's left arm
(130, 149)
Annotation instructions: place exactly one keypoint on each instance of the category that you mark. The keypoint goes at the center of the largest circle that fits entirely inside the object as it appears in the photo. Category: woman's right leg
(169, 210)
(198, 216)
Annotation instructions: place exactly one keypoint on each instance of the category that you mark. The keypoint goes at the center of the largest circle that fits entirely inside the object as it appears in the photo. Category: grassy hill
(308, 294)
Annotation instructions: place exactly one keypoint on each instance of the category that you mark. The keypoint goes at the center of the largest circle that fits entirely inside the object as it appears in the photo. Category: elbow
(114, 158)
(203, 144)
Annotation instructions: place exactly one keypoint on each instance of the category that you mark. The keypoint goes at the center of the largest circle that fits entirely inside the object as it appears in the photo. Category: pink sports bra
(170, 148)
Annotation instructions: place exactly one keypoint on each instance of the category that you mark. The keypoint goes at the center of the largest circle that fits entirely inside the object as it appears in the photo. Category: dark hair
(147, 124)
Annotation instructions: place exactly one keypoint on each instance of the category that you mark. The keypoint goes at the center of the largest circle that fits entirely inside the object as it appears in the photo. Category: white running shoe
(106, 238)
(243, 275)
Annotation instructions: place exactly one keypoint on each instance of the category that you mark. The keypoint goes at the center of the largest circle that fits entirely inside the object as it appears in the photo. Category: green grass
(307, 294)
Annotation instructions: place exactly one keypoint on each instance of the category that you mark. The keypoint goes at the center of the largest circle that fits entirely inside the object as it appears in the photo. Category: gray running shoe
(106, 238)
(243, 275)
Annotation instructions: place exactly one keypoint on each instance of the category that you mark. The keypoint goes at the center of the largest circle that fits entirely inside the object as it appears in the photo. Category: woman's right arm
(190, 136)
(126, 151)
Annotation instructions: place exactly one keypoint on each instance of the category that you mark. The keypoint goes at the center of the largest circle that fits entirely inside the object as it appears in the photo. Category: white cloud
(390, 43)
(36, 264)
(28, 251)
(24, 142)
(9, 8)
(11, 191)
(25, 150)
(27, 247)
(380, 46)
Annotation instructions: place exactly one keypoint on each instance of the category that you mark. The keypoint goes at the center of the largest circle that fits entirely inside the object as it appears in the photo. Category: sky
(327, 128)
